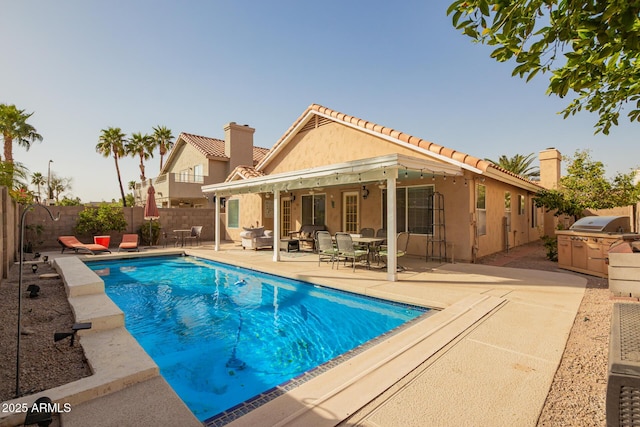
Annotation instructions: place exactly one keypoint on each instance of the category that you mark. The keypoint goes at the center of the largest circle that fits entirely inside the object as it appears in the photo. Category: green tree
(68, 201)
(13, 175)
(586, 187)
(14, 127)
(142, 146)
(38, 180)
(519, 164)
(59, 185)
(111, 143)
(590, 48)
(131, 199)
(164, 141)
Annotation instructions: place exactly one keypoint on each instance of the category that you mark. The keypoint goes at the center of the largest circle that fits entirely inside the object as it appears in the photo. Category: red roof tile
(244, 172)
(213, 148)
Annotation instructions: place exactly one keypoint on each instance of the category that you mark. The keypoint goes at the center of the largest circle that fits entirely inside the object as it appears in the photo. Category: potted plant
(99, 221)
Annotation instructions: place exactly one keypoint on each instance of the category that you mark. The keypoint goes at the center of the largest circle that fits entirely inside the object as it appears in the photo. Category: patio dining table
(370, 242)
(182, 233)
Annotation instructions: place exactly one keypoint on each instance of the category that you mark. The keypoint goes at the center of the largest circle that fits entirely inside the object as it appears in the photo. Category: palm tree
(59, 185)
(14, 126)
(163, 139)
(140, 145)
(13, 175)
(38, 179)
(132, 187)
(112, 142)
(519, 164)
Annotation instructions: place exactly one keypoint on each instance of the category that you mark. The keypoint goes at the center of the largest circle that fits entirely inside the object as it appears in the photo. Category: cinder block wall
(8, 232)
(170, 219)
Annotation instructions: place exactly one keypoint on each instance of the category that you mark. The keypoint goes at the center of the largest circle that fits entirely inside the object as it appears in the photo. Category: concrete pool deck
(487, 358)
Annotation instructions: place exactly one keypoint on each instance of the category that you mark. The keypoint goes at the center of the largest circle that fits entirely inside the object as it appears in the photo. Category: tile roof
(213, 148)
(461, 157)
(244, 172)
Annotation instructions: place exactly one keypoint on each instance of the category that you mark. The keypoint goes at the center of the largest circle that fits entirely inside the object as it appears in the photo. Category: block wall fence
(170, 219)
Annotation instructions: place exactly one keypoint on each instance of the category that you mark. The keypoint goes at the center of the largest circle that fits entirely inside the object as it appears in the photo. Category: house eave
(353, 172)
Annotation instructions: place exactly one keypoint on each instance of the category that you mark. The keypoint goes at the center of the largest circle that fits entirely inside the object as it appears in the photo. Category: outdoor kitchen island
(584, 247)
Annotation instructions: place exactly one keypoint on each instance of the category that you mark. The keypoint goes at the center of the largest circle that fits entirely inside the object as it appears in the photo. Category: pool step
(98, 309)
(78, 278)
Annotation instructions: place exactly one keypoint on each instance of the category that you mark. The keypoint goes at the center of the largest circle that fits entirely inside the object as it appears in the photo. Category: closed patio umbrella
(151, 209)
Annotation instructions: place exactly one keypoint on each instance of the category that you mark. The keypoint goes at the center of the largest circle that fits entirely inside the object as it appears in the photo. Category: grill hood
(603, 224)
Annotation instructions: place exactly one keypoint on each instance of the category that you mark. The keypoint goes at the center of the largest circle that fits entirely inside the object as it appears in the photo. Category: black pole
(22, 217)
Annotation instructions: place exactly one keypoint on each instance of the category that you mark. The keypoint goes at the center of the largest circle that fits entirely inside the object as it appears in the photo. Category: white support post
(276, 225)
(392, 232)
(217, 224)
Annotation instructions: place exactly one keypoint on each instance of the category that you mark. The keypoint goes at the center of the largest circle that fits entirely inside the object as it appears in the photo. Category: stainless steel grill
(602, 224)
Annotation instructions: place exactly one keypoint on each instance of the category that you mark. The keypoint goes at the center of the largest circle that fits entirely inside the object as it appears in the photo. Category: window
(233, 213)
(414, 209)
(313, 209)
(198, 174)
(481, 209)
(183, 176)
(507, 201)
(534, 214)
(521, 204)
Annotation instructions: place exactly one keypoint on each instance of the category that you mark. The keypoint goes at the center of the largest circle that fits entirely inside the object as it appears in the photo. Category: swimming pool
(222, 334)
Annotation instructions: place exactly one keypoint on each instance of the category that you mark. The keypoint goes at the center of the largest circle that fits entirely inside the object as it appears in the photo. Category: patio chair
(169, 237)
(367, 232)
(196, 231)
(326, 249)
(129, 243)
(71, 242)
(347, 250)
(401, 248)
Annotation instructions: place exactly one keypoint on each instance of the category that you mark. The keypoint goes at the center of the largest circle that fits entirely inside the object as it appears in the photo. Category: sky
(82, 66)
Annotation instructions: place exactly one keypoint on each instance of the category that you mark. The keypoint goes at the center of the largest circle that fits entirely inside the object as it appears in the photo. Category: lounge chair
(129, 243)
(70, 242)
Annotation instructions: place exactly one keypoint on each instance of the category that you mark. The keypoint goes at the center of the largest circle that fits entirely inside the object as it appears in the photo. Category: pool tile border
(241, 409)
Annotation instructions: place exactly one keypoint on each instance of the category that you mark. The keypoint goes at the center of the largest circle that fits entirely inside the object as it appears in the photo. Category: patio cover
(385, 169)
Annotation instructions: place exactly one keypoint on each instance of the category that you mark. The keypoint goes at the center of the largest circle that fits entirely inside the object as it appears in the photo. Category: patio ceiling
(353, 172)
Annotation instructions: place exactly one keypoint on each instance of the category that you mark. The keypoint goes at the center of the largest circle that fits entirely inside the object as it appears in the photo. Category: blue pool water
(222, 334)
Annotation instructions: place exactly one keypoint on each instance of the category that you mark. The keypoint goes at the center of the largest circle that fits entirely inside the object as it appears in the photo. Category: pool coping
(116, 359)
(329, 398)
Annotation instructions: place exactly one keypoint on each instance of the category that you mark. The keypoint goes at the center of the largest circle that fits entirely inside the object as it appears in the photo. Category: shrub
(551, 245)
(100, 220)
(143, 232)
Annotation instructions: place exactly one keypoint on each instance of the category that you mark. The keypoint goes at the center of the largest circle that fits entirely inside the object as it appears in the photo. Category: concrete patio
(487, 358)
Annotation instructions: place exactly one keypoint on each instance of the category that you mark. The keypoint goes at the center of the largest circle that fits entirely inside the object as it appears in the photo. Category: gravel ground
(44, 364)
(576, 398)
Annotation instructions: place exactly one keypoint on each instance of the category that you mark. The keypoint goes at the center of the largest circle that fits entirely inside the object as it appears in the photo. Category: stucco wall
(336, 143)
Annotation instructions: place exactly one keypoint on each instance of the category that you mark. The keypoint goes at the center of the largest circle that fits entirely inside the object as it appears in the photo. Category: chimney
(550, 166)
(238, 145)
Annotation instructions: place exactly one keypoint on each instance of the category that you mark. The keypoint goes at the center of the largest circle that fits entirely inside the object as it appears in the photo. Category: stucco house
(197, 160)
(346, 173)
